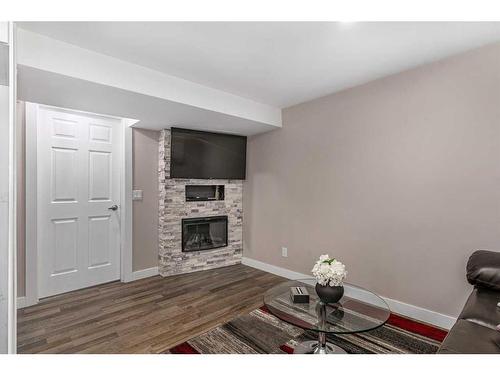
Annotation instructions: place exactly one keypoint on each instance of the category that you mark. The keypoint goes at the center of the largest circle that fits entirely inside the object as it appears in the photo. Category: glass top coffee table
(359, 310)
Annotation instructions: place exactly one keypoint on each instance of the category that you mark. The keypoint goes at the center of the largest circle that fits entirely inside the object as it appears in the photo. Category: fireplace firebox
(204, 233)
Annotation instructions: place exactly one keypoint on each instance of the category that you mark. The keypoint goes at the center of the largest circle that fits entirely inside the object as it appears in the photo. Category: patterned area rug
(261, 332)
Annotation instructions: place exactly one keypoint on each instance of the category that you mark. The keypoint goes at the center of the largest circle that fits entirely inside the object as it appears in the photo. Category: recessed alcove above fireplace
(204, 193)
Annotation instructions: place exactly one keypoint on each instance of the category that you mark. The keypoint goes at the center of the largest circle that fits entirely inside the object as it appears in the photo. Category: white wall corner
(398, 307)
(126, 235)
(31, 274)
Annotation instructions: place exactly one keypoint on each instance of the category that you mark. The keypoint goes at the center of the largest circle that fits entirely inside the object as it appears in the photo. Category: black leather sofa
(475, 330)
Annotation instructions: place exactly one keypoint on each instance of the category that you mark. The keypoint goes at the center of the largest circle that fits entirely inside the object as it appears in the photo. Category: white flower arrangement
(329, 271)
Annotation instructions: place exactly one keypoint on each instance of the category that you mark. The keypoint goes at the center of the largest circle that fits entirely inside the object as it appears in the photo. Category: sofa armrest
(483, 269)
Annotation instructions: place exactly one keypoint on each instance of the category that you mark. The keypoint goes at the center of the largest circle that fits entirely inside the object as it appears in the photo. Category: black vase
(329, 294)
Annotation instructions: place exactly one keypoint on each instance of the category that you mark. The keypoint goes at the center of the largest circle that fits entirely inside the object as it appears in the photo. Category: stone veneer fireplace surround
(173, 207)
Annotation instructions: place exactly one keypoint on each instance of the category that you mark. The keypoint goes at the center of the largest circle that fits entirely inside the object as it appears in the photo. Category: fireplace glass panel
(204, 233)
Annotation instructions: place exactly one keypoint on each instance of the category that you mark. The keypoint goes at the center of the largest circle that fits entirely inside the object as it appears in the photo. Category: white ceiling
(276, 63)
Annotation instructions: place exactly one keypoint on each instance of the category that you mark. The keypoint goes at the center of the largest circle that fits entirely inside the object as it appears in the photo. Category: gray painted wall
(399, 179)
(145, 219)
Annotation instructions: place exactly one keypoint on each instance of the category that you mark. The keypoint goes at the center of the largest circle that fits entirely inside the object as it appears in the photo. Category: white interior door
(78, 170)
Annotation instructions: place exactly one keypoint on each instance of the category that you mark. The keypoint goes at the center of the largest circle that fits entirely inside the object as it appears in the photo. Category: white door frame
(12, 242)
(31, 200)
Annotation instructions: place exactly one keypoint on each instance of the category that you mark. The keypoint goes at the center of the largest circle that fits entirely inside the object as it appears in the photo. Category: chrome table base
(313, 347)
(318, 347)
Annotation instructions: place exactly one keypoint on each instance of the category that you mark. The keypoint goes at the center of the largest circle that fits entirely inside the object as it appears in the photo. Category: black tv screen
(197, 154)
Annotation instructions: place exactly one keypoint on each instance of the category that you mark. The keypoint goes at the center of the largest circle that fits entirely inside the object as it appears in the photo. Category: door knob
(113, 207)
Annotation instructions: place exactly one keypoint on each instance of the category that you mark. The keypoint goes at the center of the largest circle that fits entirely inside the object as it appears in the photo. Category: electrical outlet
(284, 252)
(137, 195)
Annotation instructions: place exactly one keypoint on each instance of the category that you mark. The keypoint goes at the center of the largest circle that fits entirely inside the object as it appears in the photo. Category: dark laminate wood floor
(144, 316)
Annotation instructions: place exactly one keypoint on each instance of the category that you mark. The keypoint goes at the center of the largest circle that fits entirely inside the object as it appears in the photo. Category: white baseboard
(25, 301)
(283, 272)
(402, 308)
(141, 274)
(21, 302)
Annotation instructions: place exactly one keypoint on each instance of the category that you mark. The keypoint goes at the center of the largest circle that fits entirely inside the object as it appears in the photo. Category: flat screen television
(204, 155)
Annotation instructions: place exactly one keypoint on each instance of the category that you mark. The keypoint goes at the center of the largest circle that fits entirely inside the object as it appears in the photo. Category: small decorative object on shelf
(330, 275)
(299, 294)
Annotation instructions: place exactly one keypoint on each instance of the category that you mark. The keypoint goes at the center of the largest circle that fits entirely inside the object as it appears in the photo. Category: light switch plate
(137, 195)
